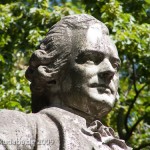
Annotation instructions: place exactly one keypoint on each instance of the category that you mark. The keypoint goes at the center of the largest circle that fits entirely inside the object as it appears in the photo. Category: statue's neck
(56, 101)
(87, 117)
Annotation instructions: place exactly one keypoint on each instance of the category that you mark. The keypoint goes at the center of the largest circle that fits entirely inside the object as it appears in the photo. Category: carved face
(92, 81)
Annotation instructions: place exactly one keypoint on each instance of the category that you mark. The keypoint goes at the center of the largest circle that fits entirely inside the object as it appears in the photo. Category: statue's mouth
(101, 88)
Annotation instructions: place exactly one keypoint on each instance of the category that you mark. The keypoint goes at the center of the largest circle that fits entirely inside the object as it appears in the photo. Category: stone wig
(47, 65)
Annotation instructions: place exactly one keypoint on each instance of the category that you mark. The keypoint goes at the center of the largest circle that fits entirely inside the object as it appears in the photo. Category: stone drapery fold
(105, 136)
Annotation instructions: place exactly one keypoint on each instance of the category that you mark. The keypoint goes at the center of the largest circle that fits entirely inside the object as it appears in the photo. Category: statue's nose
(106, 71)
(107, 75)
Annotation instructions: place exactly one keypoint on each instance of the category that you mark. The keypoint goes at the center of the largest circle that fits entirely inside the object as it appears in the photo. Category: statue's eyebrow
(89, 54)
(90, 51)
(97, 54)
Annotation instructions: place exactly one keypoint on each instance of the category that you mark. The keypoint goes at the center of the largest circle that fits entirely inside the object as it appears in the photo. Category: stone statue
(74, 82)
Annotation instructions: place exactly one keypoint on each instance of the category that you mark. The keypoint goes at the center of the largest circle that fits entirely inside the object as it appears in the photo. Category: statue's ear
(48, 74)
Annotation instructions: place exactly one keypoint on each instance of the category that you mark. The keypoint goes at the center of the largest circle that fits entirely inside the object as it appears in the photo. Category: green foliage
(23, 23)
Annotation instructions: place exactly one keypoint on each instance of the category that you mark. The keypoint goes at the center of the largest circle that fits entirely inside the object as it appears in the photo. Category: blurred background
(24, 23)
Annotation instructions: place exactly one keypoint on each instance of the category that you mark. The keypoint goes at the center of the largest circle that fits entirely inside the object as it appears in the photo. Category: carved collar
(105, 136)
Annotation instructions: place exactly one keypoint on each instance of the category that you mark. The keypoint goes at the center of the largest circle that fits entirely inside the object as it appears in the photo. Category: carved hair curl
(49, 61)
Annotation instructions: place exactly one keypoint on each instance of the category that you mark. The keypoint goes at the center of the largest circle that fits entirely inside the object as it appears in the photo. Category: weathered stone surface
(53, 129)
(74, 75)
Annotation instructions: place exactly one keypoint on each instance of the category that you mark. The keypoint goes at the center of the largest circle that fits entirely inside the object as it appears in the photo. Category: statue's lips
(101, 88)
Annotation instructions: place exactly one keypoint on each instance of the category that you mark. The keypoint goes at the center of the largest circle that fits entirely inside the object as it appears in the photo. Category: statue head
(76, 65)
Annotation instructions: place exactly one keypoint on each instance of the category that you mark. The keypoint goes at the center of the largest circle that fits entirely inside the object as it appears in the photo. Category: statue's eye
(116, 66)
(98, 59)
(115, 63)
(90, 57)
(80, 59)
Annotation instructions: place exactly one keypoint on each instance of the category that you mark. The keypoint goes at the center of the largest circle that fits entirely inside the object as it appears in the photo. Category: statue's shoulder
(27, 131)
(64, 118)
(69, 126)
(12, 117)
(16, 128)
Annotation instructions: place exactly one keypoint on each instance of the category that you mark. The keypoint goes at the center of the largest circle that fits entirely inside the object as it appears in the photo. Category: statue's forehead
(93, 33)
(95, 38)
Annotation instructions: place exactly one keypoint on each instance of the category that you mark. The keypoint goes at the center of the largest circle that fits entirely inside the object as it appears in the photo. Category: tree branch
(134, 78)
(120, 119)
(133, 128)
(131, 106)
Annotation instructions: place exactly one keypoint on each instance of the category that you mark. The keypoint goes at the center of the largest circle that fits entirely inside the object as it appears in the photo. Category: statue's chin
(100, 104)
(90, 101)
(105, 98)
